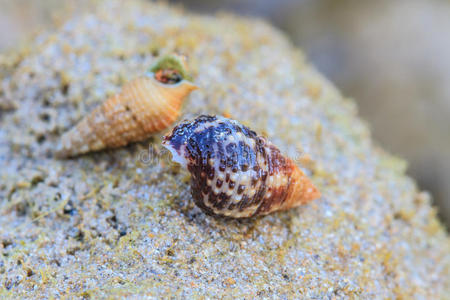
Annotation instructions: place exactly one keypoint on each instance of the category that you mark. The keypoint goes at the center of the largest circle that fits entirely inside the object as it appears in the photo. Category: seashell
(235, 172)
(145, 105)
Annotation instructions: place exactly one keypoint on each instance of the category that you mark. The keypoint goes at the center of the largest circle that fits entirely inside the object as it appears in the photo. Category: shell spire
(235, 172)
(145, 105)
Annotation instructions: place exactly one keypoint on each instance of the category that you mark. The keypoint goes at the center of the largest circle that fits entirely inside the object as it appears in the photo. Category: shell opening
(168, 76)
(177, 156)
(185, 83)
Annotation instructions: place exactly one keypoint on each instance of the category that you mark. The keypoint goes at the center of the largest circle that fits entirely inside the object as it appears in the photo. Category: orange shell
(143, 107)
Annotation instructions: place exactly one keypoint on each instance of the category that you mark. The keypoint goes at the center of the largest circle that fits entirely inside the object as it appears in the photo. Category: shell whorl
(143, 106)
(235, 172)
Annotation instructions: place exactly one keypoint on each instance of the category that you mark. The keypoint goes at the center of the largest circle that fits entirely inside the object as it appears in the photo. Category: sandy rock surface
(122, 222)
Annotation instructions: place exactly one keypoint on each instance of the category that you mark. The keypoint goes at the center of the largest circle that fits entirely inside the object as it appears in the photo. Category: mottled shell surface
(144, 106)
(235, 172)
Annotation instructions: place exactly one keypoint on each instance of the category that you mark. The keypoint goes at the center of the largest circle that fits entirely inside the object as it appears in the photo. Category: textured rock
(122, 222)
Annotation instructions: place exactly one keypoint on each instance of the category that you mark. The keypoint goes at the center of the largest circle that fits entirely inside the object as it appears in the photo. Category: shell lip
(176, 151)
(177, 140)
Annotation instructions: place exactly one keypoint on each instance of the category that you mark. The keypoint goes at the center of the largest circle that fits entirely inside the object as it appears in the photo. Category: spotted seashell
(235, 172)
(145, 105)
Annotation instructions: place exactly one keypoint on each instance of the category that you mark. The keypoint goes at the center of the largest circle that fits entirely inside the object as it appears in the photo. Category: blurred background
(392, 57)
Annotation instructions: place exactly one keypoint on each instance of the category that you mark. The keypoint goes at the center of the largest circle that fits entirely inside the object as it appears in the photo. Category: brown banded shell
(235, 172)
(144, 106)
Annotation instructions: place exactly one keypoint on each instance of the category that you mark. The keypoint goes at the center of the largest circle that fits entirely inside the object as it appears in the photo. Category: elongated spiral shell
(235, 172)
(144, 106)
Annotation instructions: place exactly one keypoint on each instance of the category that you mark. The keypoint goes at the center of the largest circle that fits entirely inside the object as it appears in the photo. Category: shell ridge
(291, 181)
(138, 93)
(141, 102)
(84, 133)
(134, 105)
(94, 136)
(245, 199)
(225, 143)
(111, 132)
(162, 106)
(237, 179)
(171, 110)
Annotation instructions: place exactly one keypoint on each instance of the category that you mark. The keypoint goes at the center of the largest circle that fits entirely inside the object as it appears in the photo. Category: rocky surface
(122, 222)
